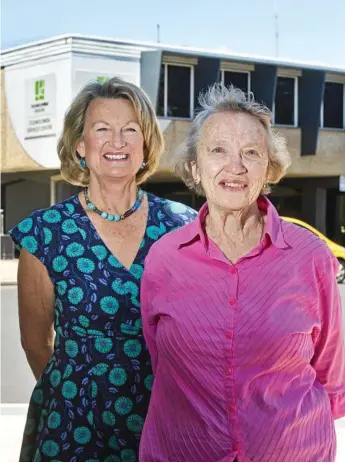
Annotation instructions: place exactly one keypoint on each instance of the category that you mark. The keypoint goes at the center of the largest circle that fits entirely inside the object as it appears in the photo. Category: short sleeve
(31, 235)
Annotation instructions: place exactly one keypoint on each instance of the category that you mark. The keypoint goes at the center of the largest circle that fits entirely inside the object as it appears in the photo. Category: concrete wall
(329, 159)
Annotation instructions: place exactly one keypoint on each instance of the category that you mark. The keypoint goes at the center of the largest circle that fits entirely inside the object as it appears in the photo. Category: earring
(143, 165)
(82, 163)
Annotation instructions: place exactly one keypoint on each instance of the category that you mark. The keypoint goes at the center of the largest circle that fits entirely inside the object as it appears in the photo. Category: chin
(233, 202)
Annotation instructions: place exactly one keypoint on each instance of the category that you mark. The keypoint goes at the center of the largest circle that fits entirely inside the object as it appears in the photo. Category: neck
(234, 225)
(112, 196)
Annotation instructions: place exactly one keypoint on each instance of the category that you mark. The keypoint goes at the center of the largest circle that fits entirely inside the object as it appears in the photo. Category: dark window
(333, 105)
(178, 87)
(178, 91)
(237, 79)
(160, 108)
(284, 110)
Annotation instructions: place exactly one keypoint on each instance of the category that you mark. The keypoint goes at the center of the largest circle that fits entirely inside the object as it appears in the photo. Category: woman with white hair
(79, 276)
(241, 311)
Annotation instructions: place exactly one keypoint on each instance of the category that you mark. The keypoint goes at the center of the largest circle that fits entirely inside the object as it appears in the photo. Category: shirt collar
(273, 228)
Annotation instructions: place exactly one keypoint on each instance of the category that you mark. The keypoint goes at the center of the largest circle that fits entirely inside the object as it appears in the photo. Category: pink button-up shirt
(249, 359)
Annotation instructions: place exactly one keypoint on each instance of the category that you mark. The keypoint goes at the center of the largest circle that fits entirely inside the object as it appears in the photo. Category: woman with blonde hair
(79, 273)
(241, 310)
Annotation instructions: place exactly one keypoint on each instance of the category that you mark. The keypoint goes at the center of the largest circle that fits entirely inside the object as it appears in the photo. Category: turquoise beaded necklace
(113, 217)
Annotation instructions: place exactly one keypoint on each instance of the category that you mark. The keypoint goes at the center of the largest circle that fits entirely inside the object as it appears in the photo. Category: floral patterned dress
(90, 403)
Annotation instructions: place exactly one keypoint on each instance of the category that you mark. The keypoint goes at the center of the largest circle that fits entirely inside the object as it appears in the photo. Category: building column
(314, 207)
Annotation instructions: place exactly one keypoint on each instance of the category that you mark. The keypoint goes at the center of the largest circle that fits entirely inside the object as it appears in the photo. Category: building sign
(342, 183)
(85, 77)
(40, 106)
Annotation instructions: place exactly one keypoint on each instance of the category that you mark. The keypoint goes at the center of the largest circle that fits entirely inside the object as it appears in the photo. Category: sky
(309, 30)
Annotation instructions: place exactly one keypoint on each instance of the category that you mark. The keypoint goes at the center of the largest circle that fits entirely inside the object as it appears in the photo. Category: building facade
(39, 81)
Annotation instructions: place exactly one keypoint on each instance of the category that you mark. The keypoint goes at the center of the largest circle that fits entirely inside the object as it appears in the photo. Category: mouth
(233, 186)
(116, 157)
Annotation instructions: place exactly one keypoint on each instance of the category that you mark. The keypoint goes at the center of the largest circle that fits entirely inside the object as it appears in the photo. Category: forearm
(38, 359)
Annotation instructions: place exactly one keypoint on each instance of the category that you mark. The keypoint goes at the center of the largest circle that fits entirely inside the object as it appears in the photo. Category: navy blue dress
(90, 403)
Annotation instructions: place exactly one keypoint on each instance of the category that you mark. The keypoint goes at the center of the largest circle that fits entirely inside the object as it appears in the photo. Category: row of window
(176, 96)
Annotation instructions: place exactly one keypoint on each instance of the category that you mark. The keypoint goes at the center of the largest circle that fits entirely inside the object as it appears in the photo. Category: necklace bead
(113, 217)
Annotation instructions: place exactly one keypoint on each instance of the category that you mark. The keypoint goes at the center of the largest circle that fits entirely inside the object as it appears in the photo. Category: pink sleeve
(329, 358)
(147, 291)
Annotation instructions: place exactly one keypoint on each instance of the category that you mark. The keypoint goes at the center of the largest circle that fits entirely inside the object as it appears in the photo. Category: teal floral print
(75, 250)
(26, 225)
(48, 235)
(30, 244)
(85, 265)
(91, 401)
(109, 305)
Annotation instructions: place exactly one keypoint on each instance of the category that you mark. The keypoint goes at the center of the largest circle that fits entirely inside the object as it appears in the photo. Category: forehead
(110, 108)
(233, 127)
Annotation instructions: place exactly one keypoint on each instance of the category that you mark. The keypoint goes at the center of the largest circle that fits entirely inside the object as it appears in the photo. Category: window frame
(295, 115)
(322, 115)
(249, 80)
(191, 89)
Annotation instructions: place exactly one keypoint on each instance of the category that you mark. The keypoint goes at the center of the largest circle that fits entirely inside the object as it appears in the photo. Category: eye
(251, 153)
(130, 129)
(102, 129)
(218, 149)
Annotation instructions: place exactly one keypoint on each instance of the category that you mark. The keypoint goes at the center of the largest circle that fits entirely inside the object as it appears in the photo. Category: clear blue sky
(309, 30)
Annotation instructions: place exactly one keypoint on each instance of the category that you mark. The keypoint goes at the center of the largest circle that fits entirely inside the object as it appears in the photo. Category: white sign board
(342, 183)
(40, 106)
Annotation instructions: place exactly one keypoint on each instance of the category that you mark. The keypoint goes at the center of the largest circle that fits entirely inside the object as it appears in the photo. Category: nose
(118, 140)
(235, 164)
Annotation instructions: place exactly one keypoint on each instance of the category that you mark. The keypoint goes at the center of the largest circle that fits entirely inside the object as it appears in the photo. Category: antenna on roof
(158, 33)
(276, 25)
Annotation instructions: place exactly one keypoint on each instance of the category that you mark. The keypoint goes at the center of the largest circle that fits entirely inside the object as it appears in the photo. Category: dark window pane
(160, 107)
(333, 106)
(179, 91)
(237, 79)
(285, 101)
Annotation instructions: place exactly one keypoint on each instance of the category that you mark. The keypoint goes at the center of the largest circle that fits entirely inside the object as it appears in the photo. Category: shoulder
(166, 249)
(309, 247)
(171, 213)
(35, 230)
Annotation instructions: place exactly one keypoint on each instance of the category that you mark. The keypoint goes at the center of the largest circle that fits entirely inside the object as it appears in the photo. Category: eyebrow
(107, 123)
(99, 122)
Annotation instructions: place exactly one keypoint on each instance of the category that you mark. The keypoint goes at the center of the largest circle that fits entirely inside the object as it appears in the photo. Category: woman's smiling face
(232, 160)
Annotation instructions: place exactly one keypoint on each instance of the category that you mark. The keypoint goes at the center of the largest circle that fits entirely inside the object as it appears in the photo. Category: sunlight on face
(112, 142)
(232, 160)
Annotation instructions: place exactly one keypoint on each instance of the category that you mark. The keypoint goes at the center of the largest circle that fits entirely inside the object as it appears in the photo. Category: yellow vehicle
(338, 251)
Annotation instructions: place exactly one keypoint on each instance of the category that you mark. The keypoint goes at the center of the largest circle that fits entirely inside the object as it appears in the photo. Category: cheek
(91, 143)
(258, 171)
(209, 170)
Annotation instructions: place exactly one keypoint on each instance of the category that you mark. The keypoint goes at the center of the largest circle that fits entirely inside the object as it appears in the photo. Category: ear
(195, 174)
(80, 148)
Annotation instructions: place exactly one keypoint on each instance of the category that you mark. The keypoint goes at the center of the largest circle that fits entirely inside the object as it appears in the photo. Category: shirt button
(229, 371)
(233, 271)
(229, 334)
(232, 408)
(232, 301)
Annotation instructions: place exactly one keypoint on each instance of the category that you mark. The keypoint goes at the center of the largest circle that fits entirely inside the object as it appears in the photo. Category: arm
(147, 291)
(36, 311)
(329, 358)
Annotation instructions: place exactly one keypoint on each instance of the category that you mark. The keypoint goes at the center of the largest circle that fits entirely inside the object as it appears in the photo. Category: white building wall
(42, 149)
(69, 73)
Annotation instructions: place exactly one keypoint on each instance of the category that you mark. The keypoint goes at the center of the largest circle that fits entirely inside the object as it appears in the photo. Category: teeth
(234, 185)
(115, 156)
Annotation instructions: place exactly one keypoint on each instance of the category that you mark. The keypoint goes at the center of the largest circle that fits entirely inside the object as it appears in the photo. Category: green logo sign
(102, 79)
(39, 90)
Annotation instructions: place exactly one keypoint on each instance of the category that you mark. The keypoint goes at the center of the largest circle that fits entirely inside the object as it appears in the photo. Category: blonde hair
(74, 126)
(219, 98)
